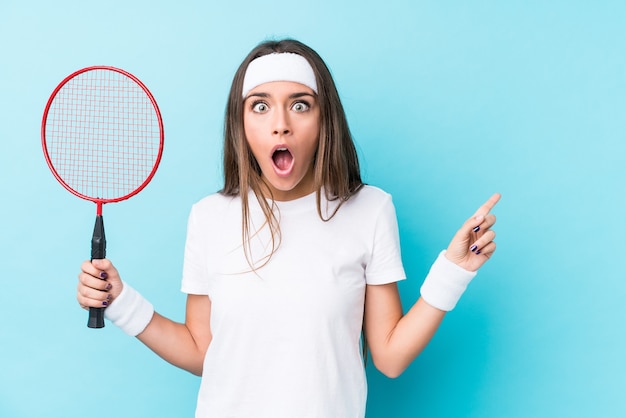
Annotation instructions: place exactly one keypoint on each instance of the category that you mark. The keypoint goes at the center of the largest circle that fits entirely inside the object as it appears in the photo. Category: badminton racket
(102, 137)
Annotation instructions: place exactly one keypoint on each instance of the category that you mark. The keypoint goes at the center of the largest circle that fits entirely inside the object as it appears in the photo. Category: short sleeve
(385, 264)
(195, 275)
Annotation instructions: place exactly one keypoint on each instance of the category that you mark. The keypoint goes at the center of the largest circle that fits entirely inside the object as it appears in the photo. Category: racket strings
(103, 134)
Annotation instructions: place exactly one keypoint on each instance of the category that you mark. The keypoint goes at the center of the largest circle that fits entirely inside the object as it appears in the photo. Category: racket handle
(98, 240)
(96, 318)
(98, 251)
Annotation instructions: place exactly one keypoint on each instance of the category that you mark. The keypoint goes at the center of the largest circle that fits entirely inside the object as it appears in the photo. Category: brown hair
(336, 165)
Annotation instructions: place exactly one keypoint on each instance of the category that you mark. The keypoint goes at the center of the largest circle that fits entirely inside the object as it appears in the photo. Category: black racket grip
(98, 251)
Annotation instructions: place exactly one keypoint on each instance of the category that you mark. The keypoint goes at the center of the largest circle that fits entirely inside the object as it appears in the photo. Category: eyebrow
(291, 96)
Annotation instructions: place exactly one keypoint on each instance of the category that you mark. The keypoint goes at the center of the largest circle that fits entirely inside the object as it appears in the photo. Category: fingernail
(473, 248)
(108, 287)
(105, 303)
(103, 275)
(476, 228)
(109, 297)
(477, 252)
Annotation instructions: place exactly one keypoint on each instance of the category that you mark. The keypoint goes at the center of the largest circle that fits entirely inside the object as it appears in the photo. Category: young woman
(292, 259)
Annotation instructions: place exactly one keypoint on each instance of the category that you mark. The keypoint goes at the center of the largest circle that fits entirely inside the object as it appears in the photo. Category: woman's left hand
(473, 244)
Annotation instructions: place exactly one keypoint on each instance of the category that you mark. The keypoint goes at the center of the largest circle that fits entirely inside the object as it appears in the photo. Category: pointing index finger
(488, 205)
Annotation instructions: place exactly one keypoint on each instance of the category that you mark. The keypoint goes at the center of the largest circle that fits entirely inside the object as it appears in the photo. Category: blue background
(448, 102)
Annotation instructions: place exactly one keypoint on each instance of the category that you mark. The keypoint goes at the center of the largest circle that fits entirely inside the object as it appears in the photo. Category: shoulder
(374, 192)
(214, 204)
(215, 200)
(368, 203)
(371, 196)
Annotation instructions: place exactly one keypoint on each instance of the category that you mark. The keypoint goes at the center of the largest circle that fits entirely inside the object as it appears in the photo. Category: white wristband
(130, 311)
(445, 283)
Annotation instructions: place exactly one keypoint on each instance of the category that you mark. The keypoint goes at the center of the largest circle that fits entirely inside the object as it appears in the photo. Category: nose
(281, 123)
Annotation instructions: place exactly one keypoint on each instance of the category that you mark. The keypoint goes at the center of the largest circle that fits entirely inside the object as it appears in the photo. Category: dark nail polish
(473, 248)
(105, 303)
(109, 286)
(103, 275)
(476, 228)
(477, 252)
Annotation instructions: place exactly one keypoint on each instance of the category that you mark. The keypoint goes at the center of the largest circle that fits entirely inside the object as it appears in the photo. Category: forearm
(396, 339)
(409, 337)
(182, 345)
(173, 342)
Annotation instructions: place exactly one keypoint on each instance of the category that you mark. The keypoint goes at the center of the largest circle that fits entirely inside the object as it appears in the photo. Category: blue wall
(448, 102)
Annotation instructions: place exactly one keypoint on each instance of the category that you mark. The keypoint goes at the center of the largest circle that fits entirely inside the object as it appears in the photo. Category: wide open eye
(259, 107)
(300, 106)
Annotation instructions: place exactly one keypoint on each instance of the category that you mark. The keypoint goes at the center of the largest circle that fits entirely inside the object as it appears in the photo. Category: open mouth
(283, 160)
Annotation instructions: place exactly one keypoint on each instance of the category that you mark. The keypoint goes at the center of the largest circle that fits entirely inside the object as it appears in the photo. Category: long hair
(336, 165)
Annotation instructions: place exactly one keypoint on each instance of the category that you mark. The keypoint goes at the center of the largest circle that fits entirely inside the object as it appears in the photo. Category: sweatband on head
(284, 66)
(445, 283)
(130, 311)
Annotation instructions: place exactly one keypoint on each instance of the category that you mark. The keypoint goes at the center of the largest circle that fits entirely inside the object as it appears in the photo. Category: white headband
(284, 66)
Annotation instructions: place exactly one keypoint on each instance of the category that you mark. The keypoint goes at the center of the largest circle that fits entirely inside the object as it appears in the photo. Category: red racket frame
(99, 201)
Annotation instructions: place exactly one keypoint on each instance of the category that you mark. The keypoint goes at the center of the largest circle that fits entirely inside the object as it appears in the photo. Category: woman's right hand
(98, 284)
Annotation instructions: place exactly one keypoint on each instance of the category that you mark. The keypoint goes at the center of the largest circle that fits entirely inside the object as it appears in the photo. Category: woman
(292, 259)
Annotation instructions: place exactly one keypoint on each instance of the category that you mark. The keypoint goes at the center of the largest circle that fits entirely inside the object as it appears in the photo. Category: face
(281, 123)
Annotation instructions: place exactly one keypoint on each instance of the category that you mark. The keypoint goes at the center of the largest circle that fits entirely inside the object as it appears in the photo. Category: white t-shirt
(286, 337)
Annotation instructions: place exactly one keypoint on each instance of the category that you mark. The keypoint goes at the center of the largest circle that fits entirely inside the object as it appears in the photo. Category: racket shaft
(98, 251)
